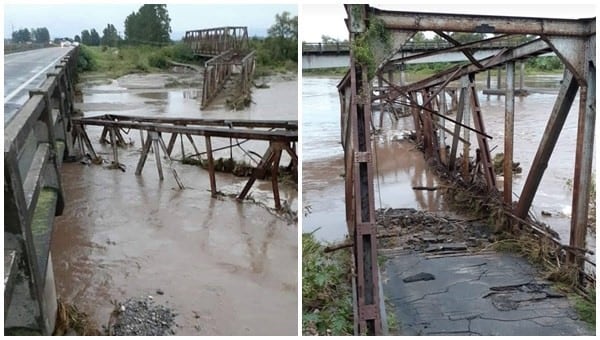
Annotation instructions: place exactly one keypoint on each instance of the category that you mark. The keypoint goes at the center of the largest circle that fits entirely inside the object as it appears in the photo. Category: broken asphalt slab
(482, 294)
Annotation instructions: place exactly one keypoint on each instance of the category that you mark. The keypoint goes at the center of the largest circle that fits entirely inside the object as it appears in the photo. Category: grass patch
(326, 290)
(587, 308)
(119, 61)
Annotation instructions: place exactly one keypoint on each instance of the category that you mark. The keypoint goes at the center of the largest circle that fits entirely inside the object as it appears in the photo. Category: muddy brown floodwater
(225, 268)
(399, 166)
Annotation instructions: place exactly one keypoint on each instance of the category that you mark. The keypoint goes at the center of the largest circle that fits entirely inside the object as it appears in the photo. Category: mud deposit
(225, 268)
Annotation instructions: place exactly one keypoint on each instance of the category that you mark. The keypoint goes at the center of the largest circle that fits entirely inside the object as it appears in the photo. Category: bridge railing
(35, 142)
(214, 41)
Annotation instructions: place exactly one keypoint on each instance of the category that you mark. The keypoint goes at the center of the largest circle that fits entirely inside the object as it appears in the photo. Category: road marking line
(18, 89)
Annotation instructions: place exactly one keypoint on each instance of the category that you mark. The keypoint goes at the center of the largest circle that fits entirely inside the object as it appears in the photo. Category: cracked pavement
(482, 294)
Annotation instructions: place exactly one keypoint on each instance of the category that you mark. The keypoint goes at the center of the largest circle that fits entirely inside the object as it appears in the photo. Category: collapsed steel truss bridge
(229, 53)
(573, 41)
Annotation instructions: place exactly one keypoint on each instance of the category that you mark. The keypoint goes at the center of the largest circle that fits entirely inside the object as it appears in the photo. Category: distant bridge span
(335, 55)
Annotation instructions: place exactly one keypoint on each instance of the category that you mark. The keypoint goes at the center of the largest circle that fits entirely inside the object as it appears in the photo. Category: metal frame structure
(213, 41)
(573, 41)
(227, 48)
(281, 135)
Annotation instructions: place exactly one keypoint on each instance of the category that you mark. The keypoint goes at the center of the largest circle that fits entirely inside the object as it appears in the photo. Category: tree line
(149, 25)
(38, 35)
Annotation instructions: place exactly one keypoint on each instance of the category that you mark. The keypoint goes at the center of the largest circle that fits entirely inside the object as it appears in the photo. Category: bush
(326, 290)
(158, 60)
(86, 60)
(182, 52)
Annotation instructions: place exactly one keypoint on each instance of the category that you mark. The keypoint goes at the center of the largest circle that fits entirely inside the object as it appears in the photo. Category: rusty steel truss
(211, 42)
(229, 53)
(282, 135)
(573, 41)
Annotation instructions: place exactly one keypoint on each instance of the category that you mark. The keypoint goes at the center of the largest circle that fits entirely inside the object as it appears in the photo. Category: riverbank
(114, 62)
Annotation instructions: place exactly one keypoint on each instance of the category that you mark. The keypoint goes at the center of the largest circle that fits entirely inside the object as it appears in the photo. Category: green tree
(77, 38)
(21, 36)
(282, 42)
(42, 35)
(285, 27)
(94, 38)
(150, 24)
(110, 36)
(86, 38)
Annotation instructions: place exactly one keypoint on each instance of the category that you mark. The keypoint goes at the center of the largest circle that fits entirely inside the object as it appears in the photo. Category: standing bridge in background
(229, 53)
(573, 41)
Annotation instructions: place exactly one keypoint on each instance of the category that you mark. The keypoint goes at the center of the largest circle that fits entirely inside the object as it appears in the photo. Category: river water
(225, 268)
(399, 166)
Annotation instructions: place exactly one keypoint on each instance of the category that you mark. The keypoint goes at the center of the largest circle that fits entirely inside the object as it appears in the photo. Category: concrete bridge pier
(499, 91)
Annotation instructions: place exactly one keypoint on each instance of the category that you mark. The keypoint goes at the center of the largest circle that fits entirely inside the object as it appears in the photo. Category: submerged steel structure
(573, 41)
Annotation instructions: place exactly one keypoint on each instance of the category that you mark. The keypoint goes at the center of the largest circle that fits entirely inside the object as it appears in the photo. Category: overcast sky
(318, 20)
(66, 20)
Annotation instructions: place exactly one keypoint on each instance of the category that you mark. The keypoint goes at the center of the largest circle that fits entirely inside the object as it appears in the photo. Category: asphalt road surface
(26, 71)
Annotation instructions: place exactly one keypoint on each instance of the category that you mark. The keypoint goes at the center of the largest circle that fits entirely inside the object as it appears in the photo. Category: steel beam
(583, 163)
(396, 20)
(362, 225)
(529, 49)
(509, 128)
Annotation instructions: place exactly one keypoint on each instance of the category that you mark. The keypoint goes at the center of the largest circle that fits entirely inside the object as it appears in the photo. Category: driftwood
(348, 244)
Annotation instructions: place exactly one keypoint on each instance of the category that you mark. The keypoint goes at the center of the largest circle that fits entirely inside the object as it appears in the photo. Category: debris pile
(141, 317)
(428, 232)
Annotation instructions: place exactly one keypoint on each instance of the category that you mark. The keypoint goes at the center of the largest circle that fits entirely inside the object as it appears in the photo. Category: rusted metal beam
(467, 83)
(362, 225)
(459, 117)
(509, 129)
(466, 51)
(564, 100)
(583, 163)
(211, 167)
(397, 20)
(471, 45)
(531, 48)
(484, 149)
(214, 41)
(283, 135)
(282, 124)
